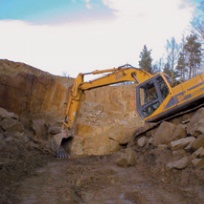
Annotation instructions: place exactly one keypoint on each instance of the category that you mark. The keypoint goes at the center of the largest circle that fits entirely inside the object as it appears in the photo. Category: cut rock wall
(107, 120)
(31, 93)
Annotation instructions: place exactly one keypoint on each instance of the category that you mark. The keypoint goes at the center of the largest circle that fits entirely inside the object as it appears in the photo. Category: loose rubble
(187, 141)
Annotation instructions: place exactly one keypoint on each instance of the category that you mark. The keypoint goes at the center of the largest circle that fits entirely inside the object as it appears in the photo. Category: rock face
(107, 120)
(35, 96)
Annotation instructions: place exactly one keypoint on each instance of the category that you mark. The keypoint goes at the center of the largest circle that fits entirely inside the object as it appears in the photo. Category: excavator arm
(121, 74)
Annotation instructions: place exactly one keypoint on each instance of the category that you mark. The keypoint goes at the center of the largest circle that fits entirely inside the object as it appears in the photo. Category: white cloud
(75, 48)
(88, 4)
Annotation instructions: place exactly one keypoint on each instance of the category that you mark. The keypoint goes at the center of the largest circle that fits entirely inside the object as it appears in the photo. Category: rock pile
(184, 139)
(13, 133)
(10, 126)
(20, 154)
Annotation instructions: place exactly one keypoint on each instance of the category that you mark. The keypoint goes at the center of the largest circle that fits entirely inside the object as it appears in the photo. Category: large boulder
(10, 126)
(198, 163)
(98, 140)
(199, 152)
(179, 164)
(199, 142)
(181, 143)
(196, 124)
(168, 132)
(9, 122)
(126, 158)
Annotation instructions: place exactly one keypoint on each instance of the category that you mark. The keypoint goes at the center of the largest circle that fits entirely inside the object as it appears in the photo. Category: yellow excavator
(156, 98)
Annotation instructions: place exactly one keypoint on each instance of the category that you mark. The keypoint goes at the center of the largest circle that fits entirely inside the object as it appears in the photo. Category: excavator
(156, 98)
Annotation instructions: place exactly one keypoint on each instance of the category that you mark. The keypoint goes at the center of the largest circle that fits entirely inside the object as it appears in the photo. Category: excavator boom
(113, 76)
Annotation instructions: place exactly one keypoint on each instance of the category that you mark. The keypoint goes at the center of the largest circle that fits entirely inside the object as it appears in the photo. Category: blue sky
(53, 11)
(75, 36)
(34, 9)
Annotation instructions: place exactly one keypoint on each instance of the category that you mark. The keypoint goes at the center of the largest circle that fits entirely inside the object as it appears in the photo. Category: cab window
(147, 93)
(148, 99)
(151, 94)
(162, 87)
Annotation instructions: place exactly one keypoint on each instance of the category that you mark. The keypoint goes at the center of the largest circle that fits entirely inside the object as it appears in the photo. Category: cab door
(150, 95)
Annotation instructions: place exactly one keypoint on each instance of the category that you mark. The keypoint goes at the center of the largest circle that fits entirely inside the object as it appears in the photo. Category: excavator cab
(157, 99)
(151, 93)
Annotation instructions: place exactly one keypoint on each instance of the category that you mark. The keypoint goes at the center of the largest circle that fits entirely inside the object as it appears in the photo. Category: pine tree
(181, 67)
(146, 61)
(193, 54)
(172, 73)
(172, 49)
(181, 63)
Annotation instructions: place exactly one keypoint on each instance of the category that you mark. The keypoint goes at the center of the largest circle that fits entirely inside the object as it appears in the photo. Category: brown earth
(36, 177)
(101, 168)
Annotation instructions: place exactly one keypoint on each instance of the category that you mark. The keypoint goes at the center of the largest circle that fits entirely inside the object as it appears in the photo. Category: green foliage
(155, 69)
(172, 73)
(181, 66)
(193, 55)
(182, 60)
(146, 61)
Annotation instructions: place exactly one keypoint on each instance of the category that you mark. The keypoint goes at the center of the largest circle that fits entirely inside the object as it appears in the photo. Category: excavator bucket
(60, 143)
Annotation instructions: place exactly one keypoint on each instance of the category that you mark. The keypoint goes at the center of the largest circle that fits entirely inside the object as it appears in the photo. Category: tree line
(183, 60)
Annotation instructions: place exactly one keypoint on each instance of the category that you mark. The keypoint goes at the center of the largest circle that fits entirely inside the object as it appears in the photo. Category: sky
(78, 36)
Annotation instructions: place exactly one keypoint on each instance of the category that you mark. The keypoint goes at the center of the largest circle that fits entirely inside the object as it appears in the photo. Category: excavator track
(150, 126)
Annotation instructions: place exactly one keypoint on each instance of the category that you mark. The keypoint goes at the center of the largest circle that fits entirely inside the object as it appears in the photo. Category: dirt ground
(30, 174)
